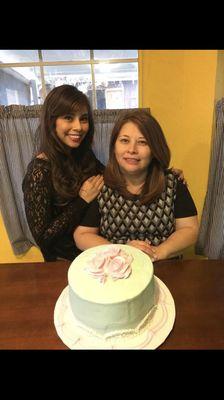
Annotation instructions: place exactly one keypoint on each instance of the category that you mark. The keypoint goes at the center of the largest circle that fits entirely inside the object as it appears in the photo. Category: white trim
(49, 63)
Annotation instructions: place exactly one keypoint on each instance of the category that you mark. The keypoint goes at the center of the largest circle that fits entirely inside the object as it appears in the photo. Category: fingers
(91, 188)
(92, 178)
(145, 247)
(98, 181)
(176, 171)
(95, 180)
(180, 175)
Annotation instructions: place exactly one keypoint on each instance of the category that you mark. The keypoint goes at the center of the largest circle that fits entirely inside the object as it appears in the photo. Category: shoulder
(105, 191)
(108, 189)
(184, 204)
(100, 167)
(181, 188)
(38, 170)
(106, 194)
(170, 174)
(40, 164)
(171, 179)
(42, 156)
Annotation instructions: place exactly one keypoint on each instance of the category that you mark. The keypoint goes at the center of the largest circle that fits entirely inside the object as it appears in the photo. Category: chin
(73, 145)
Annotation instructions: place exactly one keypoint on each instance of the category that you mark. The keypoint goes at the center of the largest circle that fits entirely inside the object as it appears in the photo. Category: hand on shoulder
(91, 188)
(180, 175)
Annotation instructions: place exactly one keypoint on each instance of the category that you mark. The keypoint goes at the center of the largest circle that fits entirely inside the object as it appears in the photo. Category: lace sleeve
(38, 201)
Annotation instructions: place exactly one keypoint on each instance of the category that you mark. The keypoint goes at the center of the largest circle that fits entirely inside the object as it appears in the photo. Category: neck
(135, 183)
(134, 179)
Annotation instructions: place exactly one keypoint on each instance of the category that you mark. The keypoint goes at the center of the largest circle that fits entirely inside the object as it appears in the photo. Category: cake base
(153, 333)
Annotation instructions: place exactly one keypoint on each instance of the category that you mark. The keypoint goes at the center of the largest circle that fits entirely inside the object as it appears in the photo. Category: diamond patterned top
(123, 219)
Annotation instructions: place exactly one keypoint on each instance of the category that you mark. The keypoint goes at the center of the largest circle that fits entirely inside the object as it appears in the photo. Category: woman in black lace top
(65, 176)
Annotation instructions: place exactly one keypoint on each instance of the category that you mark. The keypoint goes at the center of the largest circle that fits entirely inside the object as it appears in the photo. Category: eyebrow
(127, 136)
(84, 115)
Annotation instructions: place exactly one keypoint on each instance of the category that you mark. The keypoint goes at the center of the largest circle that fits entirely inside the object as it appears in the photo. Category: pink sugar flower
(112, 262)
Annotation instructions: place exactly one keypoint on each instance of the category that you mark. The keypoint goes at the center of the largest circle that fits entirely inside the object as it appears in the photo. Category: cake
(111, 289)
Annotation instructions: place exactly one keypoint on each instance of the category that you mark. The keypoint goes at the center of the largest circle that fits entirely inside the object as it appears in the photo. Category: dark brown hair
(151, 130)
(70, 167)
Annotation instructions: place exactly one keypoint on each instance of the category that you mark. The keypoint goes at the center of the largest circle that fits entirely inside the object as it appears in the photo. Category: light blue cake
(114, 306)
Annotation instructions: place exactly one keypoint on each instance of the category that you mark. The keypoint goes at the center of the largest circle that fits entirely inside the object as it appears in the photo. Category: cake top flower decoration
(112, 262)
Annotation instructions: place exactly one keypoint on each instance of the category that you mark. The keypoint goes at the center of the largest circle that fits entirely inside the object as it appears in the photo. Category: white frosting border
(150, 333)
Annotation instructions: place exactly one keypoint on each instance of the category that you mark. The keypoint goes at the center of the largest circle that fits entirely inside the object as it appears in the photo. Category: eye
(123, 140)
(142, 142)
(84, 119)
(68, 117)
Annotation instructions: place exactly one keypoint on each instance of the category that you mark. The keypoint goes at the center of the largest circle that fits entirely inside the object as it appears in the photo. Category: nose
(76, 125)
(132, 148)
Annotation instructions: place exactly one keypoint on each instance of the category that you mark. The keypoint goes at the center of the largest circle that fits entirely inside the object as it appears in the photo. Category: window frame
(90, 62)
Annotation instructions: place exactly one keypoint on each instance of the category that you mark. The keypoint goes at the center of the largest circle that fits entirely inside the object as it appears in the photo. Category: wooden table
(28, 293)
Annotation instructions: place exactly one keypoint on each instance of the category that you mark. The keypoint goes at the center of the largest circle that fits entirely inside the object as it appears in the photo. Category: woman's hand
(144, 246)
(184, 236)
(159, 253)
(180, 175)
(91, 188)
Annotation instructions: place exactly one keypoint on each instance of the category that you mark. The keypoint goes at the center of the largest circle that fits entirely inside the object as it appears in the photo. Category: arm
(87, 234)
(86, 237)
(38, 199)
(184, 236)
(186, 221)
(45, 226)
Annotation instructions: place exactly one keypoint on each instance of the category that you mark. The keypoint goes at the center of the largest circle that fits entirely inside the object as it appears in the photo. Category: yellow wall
(7, 255)
(180, 87)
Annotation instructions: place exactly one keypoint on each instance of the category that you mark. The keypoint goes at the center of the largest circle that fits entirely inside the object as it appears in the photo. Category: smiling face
(132, 151)
(71, 129)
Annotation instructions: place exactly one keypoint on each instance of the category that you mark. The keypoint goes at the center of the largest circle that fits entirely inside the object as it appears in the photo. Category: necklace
(135, 189)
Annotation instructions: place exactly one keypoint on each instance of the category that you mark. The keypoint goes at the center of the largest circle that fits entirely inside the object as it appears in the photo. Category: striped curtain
(211, 234)
(17, 128)
(18, 143)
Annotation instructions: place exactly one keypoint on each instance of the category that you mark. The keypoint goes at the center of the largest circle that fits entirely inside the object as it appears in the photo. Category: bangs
(71, 104)
(79, 106)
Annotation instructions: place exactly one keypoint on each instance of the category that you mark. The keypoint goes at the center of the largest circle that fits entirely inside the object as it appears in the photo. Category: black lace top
(51, 222)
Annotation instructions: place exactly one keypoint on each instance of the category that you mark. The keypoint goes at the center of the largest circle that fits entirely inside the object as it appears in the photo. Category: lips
(132, 161)
(75, 137)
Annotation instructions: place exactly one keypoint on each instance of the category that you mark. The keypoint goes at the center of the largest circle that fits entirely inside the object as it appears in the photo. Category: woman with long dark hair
(142, 203)
(64, 176)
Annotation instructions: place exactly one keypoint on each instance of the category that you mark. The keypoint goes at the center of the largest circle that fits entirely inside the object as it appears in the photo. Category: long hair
(69, 167)
(160, 153)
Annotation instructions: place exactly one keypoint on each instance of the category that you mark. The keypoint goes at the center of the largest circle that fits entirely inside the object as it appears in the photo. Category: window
(108, 77)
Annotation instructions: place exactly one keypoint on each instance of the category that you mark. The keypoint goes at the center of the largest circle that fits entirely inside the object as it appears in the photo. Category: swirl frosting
(112, 262)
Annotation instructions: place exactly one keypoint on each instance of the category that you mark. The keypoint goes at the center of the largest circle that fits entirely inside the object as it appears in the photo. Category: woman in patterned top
(64, 176)
(142, 203)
